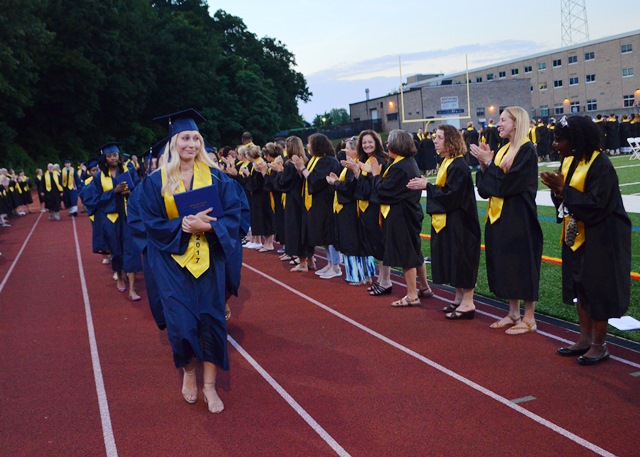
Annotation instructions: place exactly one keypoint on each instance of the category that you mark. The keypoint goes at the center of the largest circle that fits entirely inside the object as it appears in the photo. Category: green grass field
(551, 276)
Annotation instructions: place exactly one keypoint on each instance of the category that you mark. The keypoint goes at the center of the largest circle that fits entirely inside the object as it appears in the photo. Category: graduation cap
(181, 121)
(209, 148)
(92, 163)
(67, 161)
(158, 149)
(110, 148)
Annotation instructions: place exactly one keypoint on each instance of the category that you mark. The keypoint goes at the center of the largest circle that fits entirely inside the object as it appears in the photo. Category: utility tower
(575, 28)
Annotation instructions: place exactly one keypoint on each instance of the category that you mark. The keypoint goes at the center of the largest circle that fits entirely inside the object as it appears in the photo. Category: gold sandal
(522, 327)
(506, 321)
(405, 302)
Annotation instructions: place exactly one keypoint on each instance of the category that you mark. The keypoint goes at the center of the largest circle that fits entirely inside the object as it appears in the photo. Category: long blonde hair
(171, 164)
(520, 117)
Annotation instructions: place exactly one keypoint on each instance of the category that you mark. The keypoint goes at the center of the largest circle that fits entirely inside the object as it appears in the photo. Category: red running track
(317, 368)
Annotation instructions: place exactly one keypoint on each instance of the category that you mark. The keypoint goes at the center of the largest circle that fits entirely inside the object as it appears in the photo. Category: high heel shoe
(461, 315)
(133, 295)
(190, 394)
(214, 403)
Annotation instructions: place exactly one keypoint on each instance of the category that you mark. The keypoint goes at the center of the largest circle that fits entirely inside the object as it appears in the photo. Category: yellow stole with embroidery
(308, 198)
(47, 180)
(196, 257)
(107, 184)
(439, 221)
(384, 209)
(494, 211)
(337, 207)
(364, 204)
(577, 182)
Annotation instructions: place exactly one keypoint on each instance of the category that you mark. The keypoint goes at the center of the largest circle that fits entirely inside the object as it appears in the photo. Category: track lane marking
(500, 399)
(289, 399)
(15, 261)
(105, 417)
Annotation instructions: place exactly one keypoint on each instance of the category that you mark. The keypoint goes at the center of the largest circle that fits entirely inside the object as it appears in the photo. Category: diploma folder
(125, 177)
(196, 200)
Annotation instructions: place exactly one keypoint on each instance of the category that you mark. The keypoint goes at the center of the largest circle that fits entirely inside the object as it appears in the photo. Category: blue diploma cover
(196, 200)
(125, 177)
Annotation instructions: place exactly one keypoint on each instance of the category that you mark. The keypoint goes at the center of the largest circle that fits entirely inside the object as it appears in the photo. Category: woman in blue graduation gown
(188, 255)
(596, 236)
(107, 200)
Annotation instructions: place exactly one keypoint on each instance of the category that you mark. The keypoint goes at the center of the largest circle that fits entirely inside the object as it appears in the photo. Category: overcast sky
(344, 47)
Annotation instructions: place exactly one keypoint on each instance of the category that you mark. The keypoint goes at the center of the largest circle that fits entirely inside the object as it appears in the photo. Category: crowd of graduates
(361, 201)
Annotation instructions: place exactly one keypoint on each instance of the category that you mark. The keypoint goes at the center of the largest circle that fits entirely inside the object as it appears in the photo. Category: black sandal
(451, 307)
(378, 290)
(373, 286)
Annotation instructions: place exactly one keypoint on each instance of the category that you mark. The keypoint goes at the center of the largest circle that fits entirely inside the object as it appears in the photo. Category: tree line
(75, 75)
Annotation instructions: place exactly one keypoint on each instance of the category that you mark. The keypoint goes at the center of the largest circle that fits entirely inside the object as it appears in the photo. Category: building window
(392, 117)
(489, 76)
(557, 63)
(626, 72)
(592, 105)
(557, 83)
(527, 68)
(626, 48)
(478, 79)
(590, 78)
(575, 107)
(589, 55)
(542, 66)
(479, 112)
(514, 72)
(502, 74)
(544, 110)
(573, 59)
(558, 108)
(543, 86)
(574, 81)
(627, 101)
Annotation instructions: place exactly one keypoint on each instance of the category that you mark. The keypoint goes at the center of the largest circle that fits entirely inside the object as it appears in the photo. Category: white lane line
(628, 184)
(15, 261)
(289, 399)
(105, 417)
(538, 419)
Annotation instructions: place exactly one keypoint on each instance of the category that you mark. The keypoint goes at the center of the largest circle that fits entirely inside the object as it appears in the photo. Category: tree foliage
(75, 75)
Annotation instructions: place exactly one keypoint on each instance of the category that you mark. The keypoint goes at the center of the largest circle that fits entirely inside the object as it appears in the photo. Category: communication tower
(575, 28)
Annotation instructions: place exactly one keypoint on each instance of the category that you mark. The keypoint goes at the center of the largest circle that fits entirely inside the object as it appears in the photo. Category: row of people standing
(15, 195)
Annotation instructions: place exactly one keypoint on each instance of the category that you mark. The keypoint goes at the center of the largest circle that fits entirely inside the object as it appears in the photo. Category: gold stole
(47, 180)
(494, 211)
(439, 221)
(107, 184)
(271, 198)
(308, 198)
(67, 179)
(86, 183)
(364, 204)
(337, 207)
(577, 182)
(384, 209)
(196, 257)
(532, 135)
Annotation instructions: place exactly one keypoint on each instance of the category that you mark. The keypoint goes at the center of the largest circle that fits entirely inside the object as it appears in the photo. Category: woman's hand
(352, 165)
(199, 222)
(121, 187)
(332, 178)
(276, 166)
(418, 183)
(483, 153)
(298, 163)
(244, 171)
(261, 167)
(372, 166)
(554, 180)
